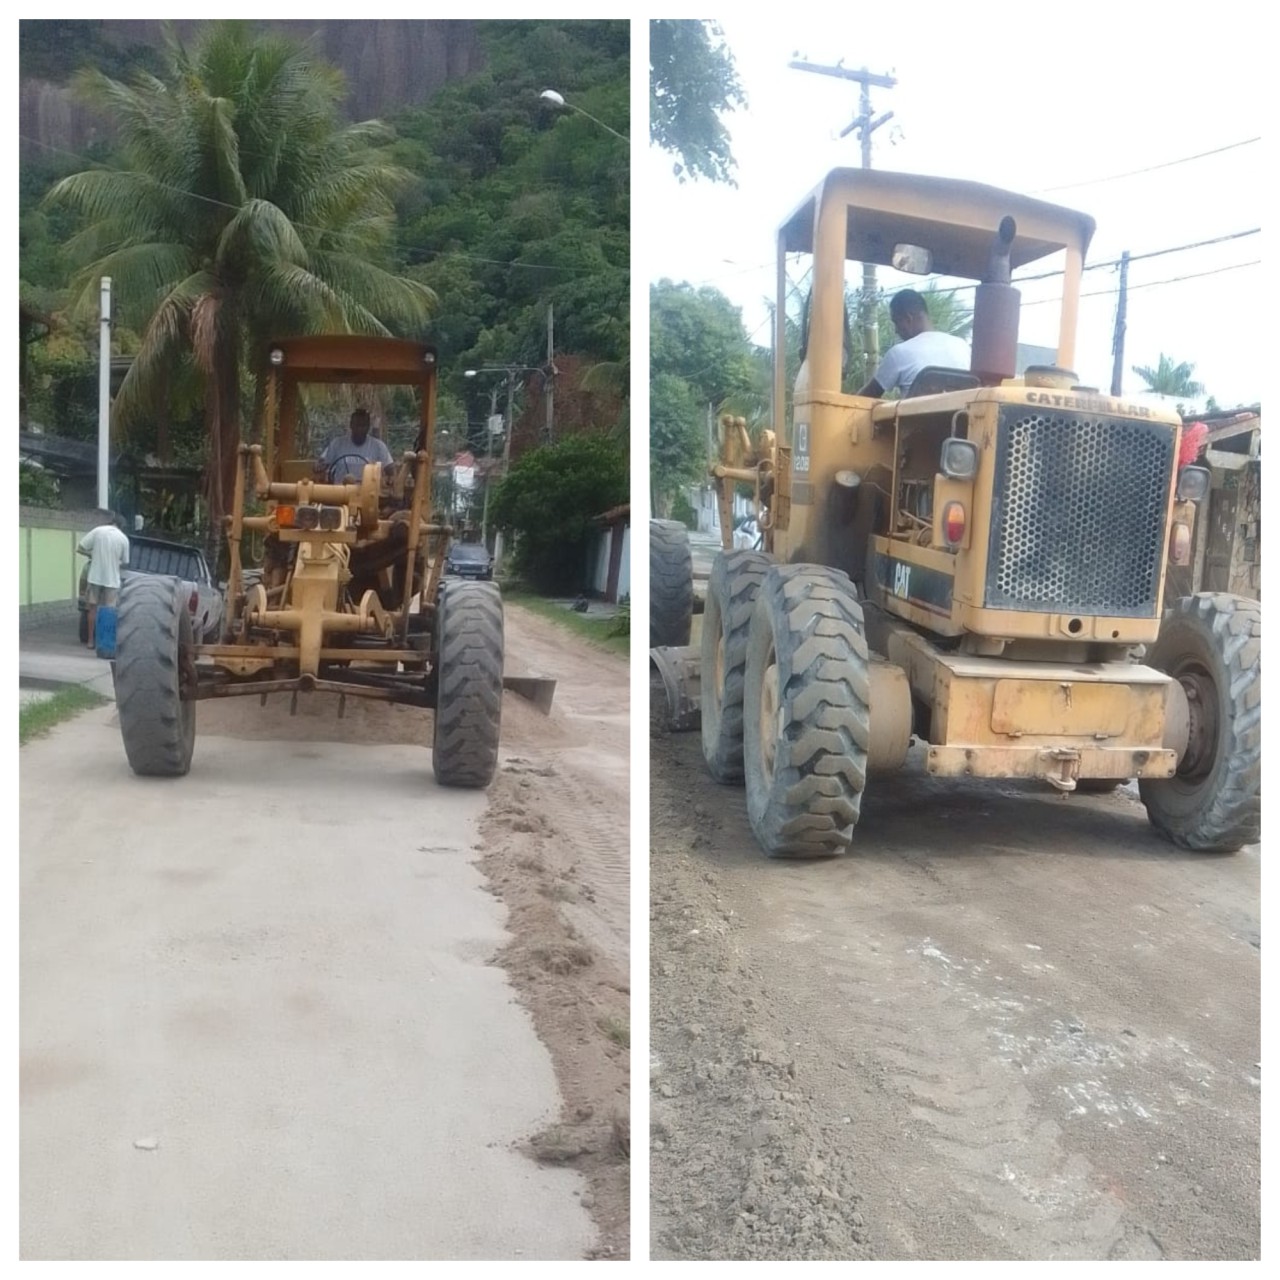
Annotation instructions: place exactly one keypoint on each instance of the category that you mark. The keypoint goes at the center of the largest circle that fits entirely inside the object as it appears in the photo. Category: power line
(1133, 173)
(1115, 262)
(1151, 284)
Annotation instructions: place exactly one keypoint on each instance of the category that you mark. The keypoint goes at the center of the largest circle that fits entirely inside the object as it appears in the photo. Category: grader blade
(538, 689)
(681, 672)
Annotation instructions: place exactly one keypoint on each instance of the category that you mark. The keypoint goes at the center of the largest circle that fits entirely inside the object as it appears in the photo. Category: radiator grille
(1078, 514)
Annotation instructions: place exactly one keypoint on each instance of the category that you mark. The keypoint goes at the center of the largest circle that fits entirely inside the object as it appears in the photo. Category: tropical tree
(1170, 379)
(678, 444)
(692, 81)
(240, 207)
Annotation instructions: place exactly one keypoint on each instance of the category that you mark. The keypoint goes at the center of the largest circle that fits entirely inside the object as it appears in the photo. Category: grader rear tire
(670, 584)
(806, 711)
(469, 685)
(731, 596)
(154, 698)
(1212, 644)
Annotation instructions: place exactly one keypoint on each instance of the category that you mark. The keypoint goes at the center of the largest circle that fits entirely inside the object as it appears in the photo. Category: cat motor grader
(350, 598)
(979, 565)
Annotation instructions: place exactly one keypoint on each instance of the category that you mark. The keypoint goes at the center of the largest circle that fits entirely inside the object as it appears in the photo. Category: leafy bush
(549, 502)
(37, 487)
(682, 510)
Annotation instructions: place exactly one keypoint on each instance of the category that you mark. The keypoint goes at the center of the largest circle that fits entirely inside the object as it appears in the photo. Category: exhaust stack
(995, 313)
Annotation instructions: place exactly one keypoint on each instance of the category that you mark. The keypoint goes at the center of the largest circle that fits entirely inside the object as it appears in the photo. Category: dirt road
(1009, 1027)
(291, 1005)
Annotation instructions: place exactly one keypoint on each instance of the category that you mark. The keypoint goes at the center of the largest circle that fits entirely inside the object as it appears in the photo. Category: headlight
(959, 459)
(1193, 484)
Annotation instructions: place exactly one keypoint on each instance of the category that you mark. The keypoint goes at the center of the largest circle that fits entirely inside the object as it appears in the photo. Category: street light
(557, 99)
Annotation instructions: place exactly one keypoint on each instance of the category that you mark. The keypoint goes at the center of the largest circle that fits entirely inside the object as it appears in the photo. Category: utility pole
(549, 391)
(104, 394)
(866, 126)
(506, 443)
(488, 471)
(1117, 342)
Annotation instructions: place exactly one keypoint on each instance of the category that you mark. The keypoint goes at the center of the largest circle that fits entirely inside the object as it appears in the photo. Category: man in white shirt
(107, 547)
(346, 455)
(921, 347)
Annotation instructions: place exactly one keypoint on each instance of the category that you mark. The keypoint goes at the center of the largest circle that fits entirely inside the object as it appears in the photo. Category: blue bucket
(104, 631)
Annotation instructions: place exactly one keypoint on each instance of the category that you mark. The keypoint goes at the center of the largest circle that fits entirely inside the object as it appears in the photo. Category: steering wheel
(331, 475)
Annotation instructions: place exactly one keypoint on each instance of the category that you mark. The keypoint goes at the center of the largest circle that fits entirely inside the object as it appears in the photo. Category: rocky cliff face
(388, 64)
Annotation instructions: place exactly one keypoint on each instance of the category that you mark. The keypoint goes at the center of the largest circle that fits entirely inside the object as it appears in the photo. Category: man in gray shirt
(347, 455)
(921, 346)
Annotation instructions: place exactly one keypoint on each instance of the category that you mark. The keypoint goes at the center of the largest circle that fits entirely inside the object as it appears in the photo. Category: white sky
(1104, 90)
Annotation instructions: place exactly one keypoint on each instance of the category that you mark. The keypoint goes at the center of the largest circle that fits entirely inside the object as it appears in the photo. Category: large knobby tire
(806, 712)
(154, 676)
(1212, 644)
(670, 584)
(731, 596)
(469, 684)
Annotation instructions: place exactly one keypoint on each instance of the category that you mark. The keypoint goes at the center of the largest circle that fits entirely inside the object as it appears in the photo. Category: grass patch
(39, 717)
(616, 1030)
(597, 630)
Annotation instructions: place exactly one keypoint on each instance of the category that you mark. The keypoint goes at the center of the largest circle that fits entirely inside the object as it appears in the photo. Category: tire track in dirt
(1014, 1028)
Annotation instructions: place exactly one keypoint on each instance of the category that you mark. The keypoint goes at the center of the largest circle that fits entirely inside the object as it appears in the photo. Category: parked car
(468, 560)
(747, 535)
(173, 560)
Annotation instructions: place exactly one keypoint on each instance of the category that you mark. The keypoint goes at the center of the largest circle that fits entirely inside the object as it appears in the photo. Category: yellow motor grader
(978, 565)
(350, 598)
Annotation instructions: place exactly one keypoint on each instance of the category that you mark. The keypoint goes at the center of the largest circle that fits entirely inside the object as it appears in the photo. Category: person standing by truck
(107, 546)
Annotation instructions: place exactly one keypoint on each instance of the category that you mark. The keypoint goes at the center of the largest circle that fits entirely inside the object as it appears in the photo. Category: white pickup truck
(172, 560)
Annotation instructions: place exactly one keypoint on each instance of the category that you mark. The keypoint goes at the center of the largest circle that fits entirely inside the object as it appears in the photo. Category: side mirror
(912, 259)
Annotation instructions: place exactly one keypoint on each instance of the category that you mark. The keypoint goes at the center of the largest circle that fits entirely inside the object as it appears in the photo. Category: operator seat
(934, 380)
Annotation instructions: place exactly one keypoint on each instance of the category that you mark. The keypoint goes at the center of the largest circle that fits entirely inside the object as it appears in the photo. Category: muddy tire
(731, 596)
(806, 712)
(1212, 644)
(670, 584)
(154, 677)
(469, 685)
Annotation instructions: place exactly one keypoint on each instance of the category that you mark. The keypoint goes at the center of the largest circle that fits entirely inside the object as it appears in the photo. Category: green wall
(48, 566)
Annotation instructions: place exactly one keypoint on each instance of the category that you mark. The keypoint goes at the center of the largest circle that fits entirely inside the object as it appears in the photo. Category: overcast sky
(1103, 91)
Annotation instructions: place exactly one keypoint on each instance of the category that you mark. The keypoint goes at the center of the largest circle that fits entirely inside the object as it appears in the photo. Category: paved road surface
(258, 1018)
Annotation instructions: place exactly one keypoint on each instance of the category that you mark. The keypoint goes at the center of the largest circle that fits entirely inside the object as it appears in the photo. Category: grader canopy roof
(355, 358)
(952, 218)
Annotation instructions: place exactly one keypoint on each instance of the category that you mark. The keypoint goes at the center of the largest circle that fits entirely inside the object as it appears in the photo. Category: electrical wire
(1151, 284)
(1133, 173)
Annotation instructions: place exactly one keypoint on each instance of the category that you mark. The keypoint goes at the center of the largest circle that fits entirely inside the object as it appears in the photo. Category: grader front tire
(731, 596)
(1212, 644)
(807, 714)
(670, 584)
(154, 670)
(469, 689)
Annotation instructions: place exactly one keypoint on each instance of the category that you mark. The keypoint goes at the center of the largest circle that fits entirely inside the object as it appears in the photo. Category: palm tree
(1169, 379)
(241, 208)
